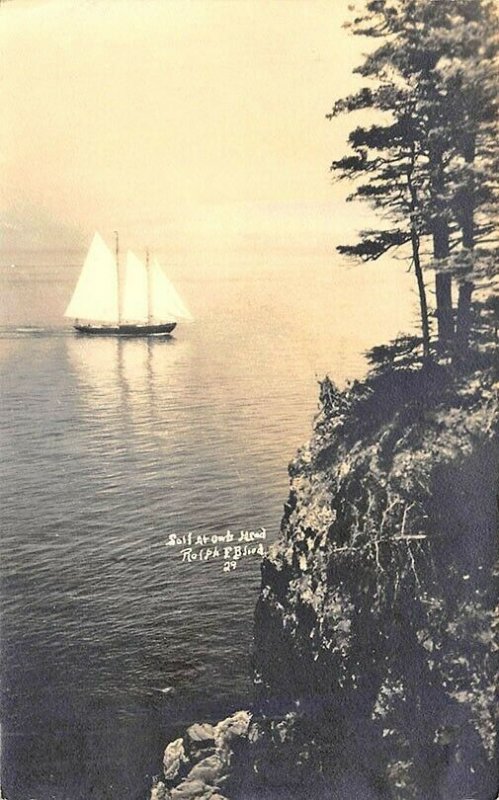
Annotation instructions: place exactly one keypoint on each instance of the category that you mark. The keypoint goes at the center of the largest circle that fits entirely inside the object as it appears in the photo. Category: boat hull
(163, 329)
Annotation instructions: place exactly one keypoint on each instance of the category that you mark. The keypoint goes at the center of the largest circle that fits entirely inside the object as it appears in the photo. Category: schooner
(133, 299)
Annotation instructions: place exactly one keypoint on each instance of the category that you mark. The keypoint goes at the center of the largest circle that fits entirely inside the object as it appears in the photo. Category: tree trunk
(463, 323)
(415, 242)
(443, 281)
(444, 309)
(423, 305)
(443, 286)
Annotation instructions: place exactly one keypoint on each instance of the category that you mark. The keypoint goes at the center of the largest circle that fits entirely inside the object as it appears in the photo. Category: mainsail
(96, 293)
(135, 299)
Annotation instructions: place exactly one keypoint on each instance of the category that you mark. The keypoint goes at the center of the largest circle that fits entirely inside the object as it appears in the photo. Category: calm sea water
(108, 447)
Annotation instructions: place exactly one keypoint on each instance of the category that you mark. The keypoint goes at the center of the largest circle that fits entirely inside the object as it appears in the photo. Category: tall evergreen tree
(386, 159)
(470, 79)
(437, 65)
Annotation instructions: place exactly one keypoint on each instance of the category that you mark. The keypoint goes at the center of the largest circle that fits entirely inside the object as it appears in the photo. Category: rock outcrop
(206, 762)
(374, 659)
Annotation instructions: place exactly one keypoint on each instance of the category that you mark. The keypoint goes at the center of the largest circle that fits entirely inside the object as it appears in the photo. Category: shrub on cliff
(374, 624)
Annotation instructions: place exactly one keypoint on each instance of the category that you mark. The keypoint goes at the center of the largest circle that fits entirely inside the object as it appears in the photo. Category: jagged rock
(229, 731)
(159, 792)
(192, 790)
(199, 741)
(209, 770)
(201, 734)
(198, 764)
(174, 758)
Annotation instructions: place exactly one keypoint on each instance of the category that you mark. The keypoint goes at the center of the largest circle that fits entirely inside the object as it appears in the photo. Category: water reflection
(8, 350)
(136, 382)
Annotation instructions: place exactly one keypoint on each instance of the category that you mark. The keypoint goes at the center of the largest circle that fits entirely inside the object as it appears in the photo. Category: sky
(195, 127)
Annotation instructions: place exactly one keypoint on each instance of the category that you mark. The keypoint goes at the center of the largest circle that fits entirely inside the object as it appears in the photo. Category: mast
(149, 289)
(118, 277)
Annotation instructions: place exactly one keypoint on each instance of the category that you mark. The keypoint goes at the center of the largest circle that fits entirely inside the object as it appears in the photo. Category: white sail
(166, 303)
(96, 293)
(135, 290)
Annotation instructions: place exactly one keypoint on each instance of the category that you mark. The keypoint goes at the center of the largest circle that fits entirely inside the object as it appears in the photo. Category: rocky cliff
(374, 655)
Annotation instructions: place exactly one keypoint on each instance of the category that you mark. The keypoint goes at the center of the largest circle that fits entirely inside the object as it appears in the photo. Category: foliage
(375, 622)
(429, 163)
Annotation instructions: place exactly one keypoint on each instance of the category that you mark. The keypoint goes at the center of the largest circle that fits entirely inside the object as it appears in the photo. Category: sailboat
(133, 299)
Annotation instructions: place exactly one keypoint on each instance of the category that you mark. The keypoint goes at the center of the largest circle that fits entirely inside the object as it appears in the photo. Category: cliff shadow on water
(374, 657)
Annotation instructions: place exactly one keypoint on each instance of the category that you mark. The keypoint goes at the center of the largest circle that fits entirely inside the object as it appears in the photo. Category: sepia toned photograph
(248, 399)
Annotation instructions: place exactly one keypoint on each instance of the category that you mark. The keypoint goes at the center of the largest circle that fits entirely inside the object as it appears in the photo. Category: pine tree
(386, 157)
(470, 78)
(437, 66)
